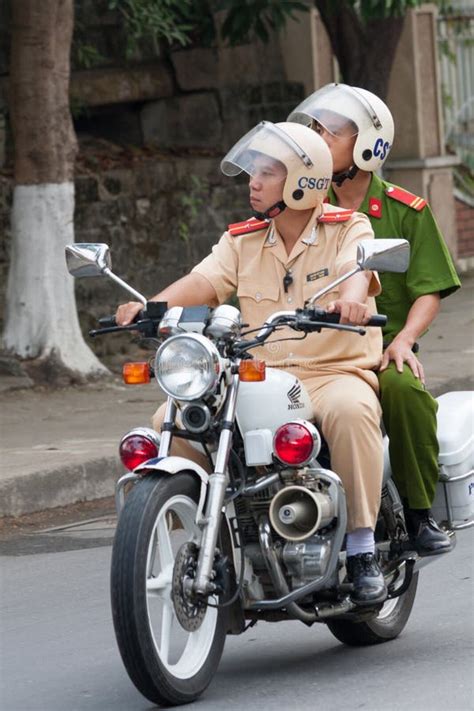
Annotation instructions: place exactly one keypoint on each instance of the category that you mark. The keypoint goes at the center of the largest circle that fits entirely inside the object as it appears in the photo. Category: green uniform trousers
(409, 416)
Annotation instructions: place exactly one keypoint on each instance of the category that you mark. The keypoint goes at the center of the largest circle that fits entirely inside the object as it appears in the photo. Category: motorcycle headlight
(187, 367)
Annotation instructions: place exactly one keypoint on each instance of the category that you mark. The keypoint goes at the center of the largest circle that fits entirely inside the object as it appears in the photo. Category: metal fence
(456, 53)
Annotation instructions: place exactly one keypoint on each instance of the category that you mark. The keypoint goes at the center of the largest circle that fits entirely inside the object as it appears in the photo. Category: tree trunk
(41, 315)
(365, 51)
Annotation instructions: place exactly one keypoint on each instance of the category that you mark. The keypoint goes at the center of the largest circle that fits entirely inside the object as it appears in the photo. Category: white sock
(360, 541)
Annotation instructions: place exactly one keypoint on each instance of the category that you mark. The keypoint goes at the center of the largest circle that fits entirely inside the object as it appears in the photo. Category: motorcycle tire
(168, 664)
(388, 624)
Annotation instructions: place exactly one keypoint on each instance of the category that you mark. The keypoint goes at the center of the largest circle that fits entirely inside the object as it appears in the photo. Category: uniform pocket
(258, 292)
(257, 300)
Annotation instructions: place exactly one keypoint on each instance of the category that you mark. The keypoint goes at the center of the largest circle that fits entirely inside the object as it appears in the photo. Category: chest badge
(317, 275)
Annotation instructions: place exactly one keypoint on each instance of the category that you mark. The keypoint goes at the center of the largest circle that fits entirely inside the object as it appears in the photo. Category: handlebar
(377, 320)
(146, 321)
(308, 320)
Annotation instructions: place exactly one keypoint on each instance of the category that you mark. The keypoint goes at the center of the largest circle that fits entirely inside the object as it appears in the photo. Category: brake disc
(189, 608)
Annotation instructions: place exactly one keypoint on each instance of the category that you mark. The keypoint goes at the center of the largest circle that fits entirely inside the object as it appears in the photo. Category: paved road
(58, 650)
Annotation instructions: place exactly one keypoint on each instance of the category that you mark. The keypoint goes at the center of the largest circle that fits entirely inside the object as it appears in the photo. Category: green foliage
(446, 98)
(87, 56)
(156, 19)
(184, 22)
(84, 54)
(191, 204)
(382, 9)
(256, 18)
(371, 9)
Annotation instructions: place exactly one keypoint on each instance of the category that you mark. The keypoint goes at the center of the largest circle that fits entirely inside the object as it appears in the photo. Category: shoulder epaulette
(339, 216)
(403, 196)
(250, 225)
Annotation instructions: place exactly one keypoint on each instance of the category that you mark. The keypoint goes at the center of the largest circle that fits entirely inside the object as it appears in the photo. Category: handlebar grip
(379, 320)
(107, 321)
(110, 321)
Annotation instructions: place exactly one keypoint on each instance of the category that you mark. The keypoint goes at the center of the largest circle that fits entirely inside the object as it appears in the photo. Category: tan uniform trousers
(347, 411)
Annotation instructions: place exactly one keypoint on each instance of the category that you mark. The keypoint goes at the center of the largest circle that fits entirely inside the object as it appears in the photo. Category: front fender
(174, 465)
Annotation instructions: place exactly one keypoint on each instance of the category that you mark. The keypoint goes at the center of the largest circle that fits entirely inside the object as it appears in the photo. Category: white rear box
(454, 500)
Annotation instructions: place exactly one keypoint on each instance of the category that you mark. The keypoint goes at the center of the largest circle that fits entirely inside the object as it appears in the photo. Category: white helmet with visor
(298, 156)
(346, 111)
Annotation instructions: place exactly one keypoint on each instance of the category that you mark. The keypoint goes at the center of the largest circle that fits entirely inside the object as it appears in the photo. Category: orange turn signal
(252, 371)
(136, 373)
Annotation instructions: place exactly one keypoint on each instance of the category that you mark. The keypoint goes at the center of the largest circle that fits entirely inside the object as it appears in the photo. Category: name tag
(317, 275)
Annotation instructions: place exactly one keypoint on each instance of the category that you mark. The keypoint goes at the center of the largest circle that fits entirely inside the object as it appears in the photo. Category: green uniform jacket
(431, 268)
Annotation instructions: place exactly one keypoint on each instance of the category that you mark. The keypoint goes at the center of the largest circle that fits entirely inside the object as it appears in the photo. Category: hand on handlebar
(354, 313)
(126, 313)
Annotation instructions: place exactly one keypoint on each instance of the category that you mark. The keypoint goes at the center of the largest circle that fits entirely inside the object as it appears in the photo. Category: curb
(70, 484)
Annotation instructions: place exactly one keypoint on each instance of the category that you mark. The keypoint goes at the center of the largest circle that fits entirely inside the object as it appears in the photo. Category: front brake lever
(355, 329)
(324, 324)
(146, 326)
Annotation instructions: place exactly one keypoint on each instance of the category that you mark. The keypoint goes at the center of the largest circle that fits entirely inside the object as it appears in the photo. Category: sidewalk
(60, 447)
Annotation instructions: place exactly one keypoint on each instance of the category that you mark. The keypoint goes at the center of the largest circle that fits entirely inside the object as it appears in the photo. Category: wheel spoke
(152, 555)
(166, 625)
(164, 543)
(162, 583)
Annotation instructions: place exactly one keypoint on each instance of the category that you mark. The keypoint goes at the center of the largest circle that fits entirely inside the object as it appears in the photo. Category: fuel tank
(268, 404)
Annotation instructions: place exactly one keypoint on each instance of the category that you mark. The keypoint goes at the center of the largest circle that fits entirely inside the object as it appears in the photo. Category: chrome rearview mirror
(383, 255)
(91, 259)
(88, 259)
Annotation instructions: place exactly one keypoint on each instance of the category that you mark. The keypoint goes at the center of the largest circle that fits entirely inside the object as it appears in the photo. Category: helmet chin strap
(339, 178)
(272, 211)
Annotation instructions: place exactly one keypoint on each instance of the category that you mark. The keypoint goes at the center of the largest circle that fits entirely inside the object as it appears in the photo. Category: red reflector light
(135, 450)
(293, 443)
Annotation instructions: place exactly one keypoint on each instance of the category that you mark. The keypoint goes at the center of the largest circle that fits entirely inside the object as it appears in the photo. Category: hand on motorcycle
(352, 312)
(126, 313)
(400, 352)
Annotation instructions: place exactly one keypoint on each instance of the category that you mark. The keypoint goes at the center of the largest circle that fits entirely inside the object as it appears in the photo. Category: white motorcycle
(197, 556)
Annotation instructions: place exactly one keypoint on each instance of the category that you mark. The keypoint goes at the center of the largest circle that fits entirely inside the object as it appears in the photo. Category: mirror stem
(122, 283)
(331, 286)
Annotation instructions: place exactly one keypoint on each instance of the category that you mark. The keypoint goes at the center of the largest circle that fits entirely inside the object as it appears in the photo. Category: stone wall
(160, 217)
(162, 208)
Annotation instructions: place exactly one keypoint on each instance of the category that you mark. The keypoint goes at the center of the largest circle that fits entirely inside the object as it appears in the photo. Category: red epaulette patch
(339, 216)
(403, 196)
(250, 225)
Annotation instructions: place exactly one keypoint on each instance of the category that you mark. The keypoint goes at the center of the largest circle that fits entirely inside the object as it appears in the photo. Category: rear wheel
(388, 624)
(169, 663)
(394, 614)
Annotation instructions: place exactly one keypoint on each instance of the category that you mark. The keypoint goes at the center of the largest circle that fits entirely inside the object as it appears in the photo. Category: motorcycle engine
(306, 560)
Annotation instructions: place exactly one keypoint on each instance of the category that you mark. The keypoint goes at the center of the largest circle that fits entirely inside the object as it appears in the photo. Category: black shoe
(364, 573)
(426, 537)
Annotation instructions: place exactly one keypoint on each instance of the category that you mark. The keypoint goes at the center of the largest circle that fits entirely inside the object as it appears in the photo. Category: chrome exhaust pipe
(296, 513)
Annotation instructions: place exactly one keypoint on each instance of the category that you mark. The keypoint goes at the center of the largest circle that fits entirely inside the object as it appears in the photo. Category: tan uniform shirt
(253, 266)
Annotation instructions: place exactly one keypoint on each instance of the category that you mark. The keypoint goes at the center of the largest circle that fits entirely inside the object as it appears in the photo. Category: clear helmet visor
(341, 110)
(267, 152)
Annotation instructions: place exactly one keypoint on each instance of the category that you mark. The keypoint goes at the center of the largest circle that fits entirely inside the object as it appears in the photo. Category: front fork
(216, 488)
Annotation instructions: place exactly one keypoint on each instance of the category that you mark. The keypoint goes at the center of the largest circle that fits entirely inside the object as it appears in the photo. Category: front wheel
(168, 664)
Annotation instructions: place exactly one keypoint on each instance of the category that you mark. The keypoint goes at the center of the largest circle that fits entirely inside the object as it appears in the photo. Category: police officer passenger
(359, 130)
(276, 262)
